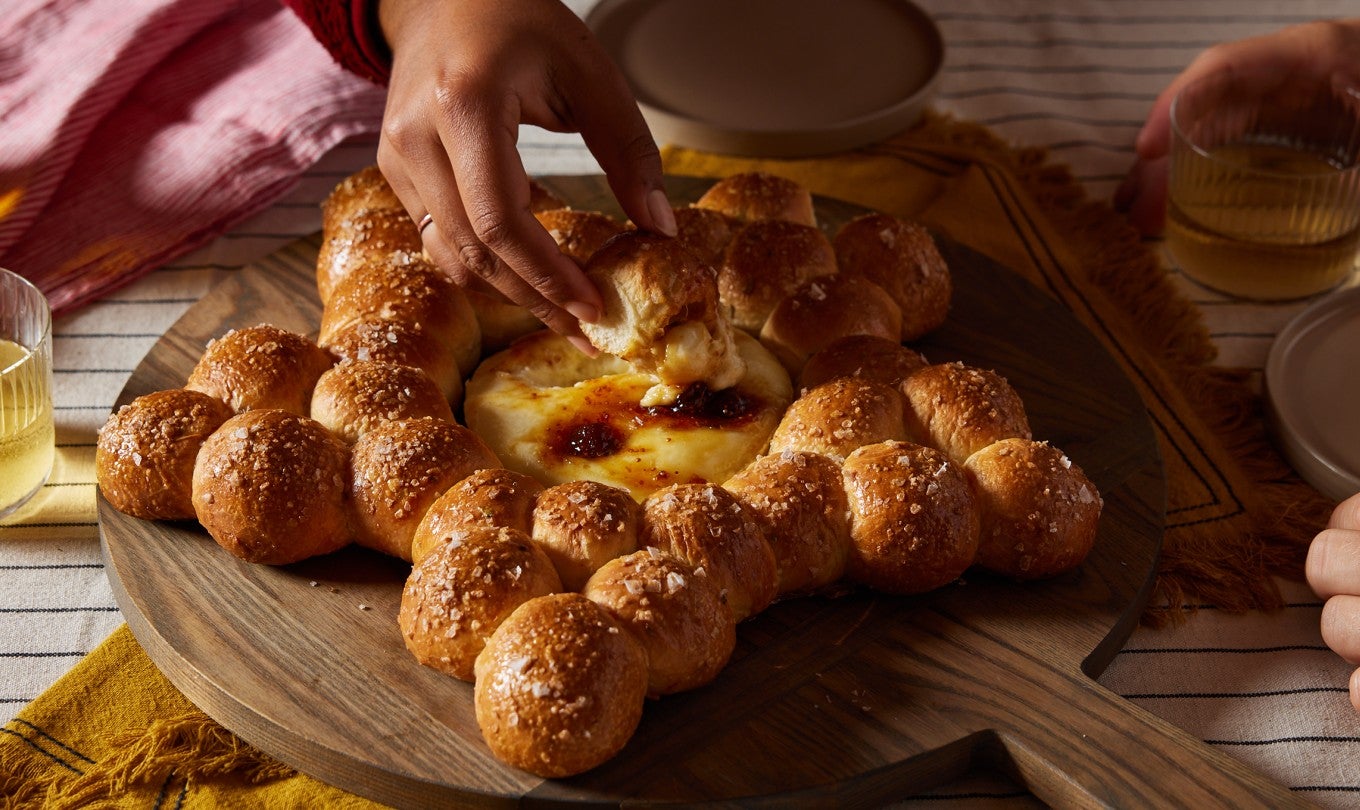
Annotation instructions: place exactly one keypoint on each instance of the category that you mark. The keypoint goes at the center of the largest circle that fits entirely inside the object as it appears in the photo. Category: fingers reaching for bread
(585, 532)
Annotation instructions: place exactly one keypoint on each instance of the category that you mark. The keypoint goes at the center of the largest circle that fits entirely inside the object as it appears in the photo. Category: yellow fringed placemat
(115, 733)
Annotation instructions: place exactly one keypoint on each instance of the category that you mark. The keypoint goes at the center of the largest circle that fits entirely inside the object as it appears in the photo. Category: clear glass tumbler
(27, 436)
(1264, 194)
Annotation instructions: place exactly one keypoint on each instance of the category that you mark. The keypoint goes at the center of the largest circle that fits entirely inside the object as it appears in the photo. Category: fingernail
(660, 209)
(582, 311)
(583, 345)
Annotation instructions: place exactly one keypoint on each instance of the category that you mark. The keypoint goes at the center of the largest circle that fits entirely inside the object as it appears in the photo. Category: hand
(1333, 571)
(1298, 53)
(465, 75)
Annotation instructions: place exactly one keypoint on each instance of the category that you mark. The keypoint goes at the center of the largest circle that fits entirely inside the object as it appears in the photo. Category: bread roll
(581, 525)
(500, 321)
(410, 344)
(579, 233)
(260, 367)
(960, 409)
(913, 521)
(1039, 510)
(488, 498)
(704, 525)
(901, 257)
(358, 395)
(704, 231)
(661, 314)
(678, 615)
(838, 305)
(362, 222)
(411, 293)
(459, 593)
(872, 357)
(800, 503)
(541, 198)
(145, 453)
(269, 486)
(753, 196)
(766, 261)
(560, 687)
(398, 469)
(839, 416)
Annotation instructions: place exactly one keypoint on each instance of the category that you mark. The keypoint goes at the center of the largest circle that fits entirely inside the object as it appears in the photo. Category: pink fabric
(132, 132)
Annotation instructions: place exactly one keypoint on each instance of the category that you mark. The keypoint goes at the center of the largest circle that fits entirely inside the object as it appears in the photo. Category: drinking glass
(1264, 194)
(27, 437)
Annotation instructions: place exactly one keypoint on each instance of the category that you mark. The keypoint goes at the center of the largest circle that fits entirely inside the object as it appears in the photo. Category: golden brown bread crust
(870, 356)
(704, 231)
(1039, 510)
(661, 312)
(410, 344)
(362, 222)
(766, 261)
(902, 258)
(492, 497)
(144, 457)
(579, 233)
(753, 196)
(560, 687)
(913, 520)
(356, 396)
(398, 469)
(707, 527)
(269, 486)
(417, 292)
(500, 322)
(839, 416)
(581, 525)
(800, 502)
(960, 409)
(460, 592)
(541, 198)
(824, 309)
(677, 615)
(258, 367)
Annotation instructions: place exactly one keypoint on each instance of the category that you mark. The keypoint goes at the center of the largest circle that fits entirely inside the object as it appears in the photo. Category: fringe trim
(191, 747)
(1284, 511)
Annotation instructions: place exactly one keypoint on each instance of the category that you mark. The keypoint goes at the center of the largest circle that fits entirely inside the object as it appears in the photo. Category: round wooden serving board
(854, 700)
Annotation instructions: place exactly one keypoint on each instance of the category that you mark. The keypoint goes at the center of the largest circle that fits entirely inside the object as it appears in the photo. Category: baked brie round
(549, 411)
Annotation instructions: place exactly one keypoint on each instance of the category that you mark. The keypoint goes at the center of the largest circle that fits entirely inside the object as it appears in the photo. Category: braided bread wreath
(596, 529)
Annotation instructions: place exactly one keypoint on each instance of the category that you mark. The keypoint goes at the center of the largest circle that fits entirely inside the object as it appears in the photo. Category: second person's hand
(465, 75)
(1325, 49)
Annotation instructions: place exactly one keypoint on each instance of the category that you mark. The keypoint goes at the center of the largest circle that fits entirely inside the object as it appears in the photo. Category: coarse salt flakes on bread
(145, 454)
(457, 595)
(675, 610)
(270, 487)
(560, 686)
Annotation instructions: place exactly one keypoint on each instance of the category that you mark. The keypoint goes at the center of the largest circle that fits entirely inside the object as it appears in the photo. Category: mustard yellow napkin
(115, 733)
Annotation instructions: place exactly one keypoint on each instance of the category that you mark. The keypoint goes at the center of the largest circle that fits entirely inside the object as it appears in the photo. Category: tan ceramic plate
(778, 78)
(1313, 393)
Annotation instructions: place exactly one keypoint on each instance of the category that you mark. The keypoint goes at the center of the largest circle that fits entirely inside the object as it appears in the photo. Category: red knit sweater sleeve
(349, 30)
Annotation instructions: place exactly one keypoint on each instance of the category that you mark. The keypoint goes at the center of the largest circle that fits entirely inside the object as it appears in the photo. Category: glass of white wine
(27, 436)
(1264, 194)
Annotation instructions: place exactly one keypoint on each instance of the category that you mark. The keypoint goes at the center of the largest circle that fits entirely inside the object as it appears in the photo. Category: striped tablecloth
(1075, 78)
